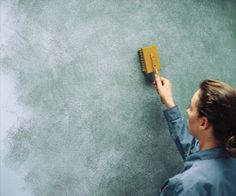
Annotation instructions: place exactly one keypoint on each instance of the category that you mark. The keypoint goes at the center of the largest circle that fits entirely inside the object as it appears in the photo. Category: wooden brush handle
(157, 74)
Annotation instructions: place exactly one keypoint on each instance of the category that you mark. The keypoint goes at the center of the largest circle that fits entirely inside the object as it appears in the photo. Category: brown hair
(217, 102)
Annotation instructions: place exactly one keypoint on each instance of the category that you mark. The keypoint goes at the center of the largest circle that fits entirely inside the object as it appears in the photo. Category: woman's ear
(204, 123)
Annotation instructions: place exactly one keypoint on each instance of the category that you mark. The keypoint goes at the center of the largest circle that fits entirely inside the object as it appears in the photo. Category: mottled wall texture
(96, 124)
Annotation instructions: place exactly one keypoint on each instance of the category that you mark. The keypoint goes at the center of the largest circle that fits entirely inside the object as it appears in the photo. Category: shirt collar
(213, 153)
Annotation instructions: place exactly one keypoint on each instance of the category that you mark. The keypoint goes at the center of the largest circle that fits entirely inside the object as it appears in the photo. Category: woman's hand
(164, 90)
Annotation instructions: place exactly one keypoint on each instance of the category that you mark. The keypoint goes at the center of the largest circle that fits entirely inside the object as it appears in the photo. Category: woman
(206, 142)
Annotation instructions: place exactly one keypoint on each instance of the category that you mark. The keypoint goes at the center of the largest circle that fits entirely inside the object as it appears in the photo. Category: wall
(96, 125)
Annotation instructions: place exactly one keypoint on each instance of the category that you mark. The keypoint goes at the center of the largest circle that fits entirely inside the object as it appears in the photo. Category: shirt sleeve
(176, 187)
(178, 128)
(172, 187)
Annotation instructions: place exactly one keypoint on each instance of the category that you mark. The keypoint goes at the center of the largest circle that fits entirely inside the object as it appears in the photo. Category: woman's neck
(205, 145)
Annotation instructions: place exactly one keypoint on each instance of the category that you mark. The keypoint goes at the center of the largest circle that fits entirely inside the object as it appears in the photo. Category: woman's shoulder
(213, 174)
(201, 178)
(209, 168)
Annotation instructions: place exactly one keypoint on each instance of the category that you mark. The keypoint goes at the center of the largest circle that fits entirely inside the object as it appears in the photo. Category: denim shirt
(207, 172)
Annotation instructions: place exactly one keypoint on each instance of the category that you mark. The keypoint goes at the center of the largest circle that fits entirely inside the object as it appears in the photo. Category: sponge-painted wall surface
(96, 125)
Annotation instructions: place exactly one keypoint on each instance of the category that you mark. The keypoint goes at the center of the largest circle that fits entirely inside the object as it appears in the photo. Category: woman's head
(216, 101)
(194, 122)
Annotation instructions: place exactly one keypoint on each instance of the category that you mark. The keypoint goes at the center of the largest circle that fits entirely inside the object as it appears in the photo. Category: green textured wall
(96, 125)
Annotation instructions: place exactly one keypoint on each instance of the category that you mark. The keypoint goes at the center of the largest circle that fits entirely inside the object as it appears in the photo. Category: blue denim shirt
(207, 172)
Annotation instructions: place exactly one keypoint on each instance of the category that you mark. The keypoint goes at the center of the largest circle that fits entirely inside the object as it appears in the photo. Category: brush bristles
(141, 58)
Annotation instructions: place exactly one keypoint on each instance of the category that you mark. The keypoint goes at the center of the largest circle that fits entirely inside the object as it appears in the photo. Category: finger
(164, 80)
(158, 81)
